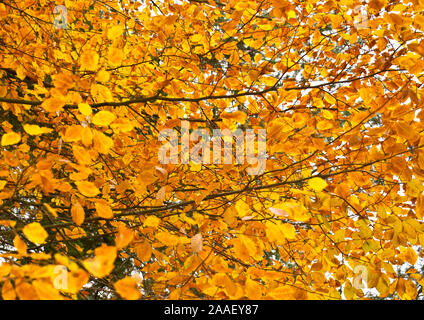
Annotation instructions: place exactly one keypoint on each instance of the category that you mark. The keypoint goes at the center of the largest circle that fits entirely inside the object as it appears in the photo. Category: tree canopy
(87, 210)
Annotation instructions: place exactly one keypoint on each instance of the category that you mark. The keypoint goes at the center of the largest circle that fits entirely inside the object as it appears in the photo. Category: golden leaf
(20, 245)
(77, 213)
(115, 31)
(317, 184)
(104, 210)
(85, 109)
(53, 104)
(152, 221)
(10, 138)
(89, 60)
(103, 261)
(115, 56)
(288, 230)
(87, 188)
(253, 289)
(103, 76)
(124, 237)
(33, 129)
(7, 291)
(127, 288)
(143, 251)
(46, 291)
(35, 233)
(103, 118)
(73, 134)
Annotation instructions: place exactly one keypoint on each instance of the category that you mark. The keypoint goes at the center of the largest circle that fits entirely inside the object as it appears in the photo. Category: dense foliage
(87, 210)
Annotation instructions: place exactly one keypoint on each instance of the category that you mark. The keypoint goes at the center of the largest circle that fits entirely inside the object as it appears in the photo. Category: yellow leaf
(53, 104)
(81, 154)
(336, 20)
(196, 38)
(253, 75)
(86, 136)
(339, 235)
(104, 210)
(143, 251)
(87, 188)
(10, 138)
(124, 237)
(411, 290)
(349, 292)
(317, 184)
(274, 233)
(102, 76)
(242, 208)
(101, 93)
(115, 31)
(102, 143)
(35, 233)
(253, 249)
(282, 293)
(237, 116)
(103, 261)
(45, 290)
(77, 213)
(89, 60)
(21, 72)
(324, 125)
(20, 245)
(85, 109)
(221, 279)
(26, 291)
(269, 81)
(103, 118)
(382, 285)
(33, 129)
(267, 27)
(288, 230)
(7, 223)
(253, 289)
(5, 269)
(127, 288)
(152, 221)
(171, 239)
(327, 115)
(73, 134)
(160, 196)
(7, 291)
(291, 14)
(411, 256)
(2, 184)
(115, 56)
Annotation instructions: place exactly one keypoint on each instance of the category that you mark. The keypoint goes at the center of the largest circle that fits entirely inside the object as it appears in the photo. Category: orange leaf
(35, 233)
(127, 288)
(20, 245)
(10, 138)
(87, 188)
(77, 213)
(104, 210)
(103, 261)
(103, 118)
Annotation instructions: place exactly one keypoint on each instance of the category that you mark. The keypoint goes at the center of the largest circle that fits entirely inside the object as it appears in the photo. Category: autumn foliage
(88, 212)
